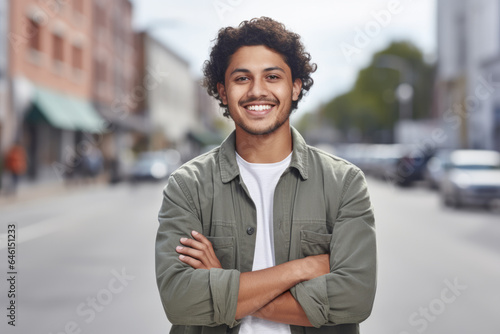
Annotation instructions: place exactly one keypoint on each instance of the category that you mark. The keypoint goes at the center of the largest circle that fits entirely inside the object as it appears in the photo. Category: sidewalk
(34, 190)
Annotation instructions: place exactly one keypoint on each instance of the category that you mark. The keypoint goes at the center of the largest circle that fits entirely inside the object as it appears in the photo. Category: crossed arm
(263, 293)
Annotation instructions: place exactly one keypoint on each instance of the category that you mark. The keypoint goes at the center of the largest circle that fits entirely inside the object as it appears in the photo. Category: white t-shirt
(261, 180)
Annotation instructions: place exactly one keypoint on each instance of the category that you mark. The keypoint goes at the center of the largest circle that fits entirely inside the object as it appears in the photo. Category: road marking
(51, 225)
(35, 231)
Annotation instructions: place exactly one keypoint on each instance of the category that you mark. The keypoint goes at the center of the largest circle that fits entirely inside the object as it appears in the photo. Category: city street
(86, 261)
(85, 264)
(438, 268)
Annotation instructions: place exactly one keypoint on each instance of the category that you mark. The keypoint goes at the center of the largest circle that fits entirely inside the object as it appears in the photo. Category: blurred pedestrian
(265, 234)
(15, 164)
(92, 163)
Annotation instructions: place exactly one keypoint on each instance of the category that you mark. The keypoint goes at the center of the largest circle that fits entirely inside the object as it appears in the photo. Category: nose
(258, 89)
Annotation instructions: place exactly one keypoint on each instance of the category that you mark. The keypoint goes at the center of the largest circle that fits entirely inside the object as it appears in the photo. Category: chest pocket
(224, 249)
(314, 243)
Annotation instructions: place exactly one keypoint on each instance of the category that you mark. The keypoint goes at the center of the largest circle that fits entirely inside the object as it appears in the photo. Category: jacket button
(250, 230)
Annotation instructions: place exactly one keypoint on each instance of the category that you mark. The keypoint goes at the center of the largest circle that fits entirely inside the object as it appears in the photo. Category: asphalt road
(439, 269)
(84, 264)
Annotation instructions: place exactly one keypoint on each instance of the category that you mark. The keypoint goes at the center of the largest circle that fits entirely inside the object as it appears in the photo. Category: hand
(198, 252)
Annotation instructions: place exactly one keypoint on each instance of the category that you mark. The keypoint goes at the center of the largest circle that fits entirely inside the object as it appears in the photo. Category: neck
(270, 148)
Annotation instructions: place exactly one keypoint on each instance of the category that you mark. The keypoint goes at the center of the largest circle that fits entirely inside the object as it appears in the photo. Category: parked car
(380, 160)
(411, 166)
(354, 153)
(436, 167)
(398, 163)
(154, 165)
(472, 177)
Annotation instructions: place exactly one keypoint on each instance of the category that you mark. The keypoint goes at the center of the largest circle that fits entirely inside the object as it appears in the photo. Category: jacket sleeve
(190, 297)
(345, 295)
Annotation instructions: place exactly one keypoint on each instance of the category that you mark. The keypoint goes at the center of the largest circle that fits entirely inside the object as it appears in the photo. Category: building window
(101, 17)
(103, 78)
(57, 48)
(77, 60)
(78, 6)
(100, 76)
(100, 25)
(34, 29)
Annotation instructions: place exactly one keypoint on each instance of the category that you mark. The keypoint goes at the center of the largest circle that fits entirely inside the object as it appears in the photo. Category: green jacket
(321, 205)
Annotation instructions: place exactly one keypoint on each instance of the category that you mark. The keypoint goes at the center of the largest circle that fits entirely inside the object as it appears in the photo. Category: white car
(436, 167)
(472, 177)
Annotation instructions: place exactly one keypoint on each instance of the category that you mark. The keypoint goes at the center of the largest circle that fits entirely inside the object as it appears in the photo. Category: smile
(261, 107)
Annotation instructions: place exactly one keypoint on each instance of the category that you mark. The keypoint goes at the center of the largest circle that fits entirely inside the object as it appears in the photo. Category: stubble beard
(255, 132)
(269, 130)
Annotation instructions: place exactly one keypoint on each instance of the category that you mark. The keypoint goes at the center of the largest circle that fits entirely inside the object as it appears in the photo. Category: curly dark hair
(258, 31)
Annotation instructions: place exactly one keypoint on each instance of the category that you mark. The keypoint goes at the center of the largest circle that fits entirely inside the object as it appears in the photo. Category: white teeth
(259, 107)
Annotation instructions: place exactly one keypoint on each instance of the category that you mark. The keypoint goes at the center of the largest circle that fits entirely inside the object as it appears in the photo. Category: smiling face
(258, 90)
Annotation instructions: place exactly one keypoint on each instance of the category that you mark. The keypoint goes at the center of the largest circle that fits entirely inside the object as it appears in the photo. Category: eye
(273, 77)
(240, 79)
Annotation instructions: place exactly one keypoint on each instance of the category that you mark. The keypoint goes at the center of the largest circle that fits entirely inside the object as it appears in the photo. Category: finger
(205, 252)
(206, 248)
(204, 240)
(198, 255)
(200, 237)
(190, 261)
(202, 256)
(193, 243)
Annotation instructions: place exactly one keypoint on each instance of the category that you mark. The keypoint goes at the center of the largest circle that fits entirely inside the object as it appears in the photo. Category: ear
(222, 92)
(297, 86)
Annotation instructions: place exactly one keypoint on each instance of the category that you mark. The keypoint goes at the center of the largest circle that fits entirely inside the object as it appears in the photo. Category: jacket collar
(229, 166)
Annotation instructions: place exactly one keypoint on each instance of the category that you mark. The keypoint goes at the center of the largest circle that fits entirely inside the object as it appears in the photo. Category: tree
(371, 106)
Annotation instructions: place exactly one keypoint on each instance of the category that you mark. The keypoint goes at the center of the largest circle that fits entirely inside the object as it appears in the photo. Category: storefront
(58, 130)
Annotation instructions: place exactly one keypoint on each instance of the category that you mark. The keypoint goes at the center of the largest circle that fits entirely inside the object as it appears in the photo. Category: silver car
(472, 177)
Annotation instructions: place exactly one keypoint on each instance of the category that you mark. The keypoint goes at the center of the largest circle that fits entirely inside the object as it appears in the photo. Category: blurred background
(100, 100)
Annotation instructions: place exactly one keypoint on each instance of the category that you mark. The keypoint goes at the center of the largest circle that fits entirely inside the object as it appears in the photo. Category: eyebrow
(244, 70)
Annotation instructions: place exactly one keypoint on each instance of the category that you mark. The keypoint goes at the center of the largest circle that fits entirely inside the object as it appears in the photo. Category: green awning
(67, 112)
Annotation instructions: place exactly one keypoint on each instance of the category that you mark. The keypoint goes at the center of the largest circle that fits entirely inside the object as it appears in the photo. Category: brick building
(72, 77)
(4, 82)
(50, 68)
(113, 79)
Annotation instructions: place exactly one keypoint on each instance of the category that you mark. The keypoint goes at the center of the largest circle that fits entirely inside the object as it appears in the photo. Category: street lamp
(404, 91)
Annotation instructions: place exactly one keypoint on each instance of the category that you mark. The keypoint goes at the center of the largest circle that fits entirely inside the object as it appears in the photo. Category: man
(265, 234)
(15, 163)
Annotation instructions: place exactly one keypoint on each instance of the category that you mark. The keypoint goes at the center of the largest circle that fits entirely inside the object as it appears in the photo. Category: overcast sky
(340, 35)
